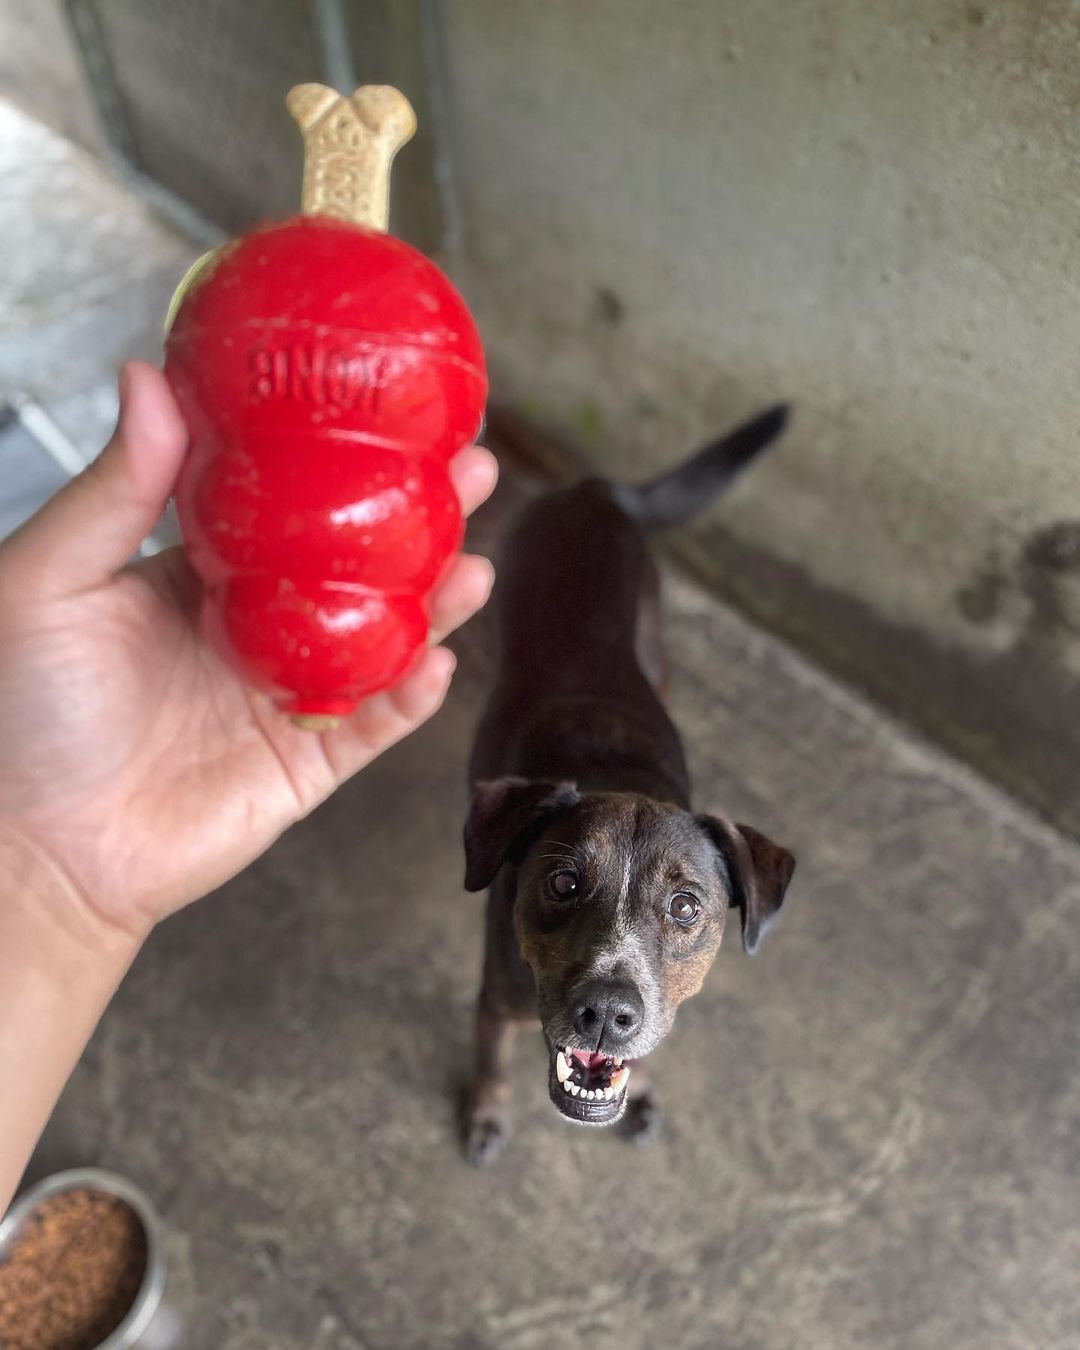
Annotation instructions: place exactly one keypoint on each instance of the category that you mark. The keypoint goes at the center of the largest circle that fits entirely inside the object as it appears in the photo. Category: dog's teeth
(562, 1068)
(609, 1093)
(574, 1089)
(618, 1079)
(566, 1087)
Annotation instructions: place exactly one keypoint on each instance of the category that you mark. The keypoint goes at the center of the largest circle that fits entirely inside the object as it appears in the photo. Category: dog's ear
(502, 811)
(760, 872)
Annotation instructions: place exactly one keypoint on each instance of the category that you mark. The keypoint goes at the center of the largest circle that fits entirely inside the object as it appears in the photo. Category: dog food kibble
(71, 1273)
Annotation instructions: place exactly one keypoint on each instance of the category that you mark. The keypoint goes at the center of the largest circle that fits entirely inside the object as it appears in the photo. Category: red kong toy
(327, 374)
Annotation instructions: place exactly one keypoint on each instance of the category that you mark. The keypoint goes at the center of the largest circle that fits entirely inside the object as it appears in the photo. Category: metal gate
(191, 98)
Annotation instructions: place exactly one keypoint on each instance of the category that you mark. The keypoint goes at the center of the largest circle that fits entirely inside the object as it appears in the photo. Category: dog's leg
(488, 1125)
(643, 1117)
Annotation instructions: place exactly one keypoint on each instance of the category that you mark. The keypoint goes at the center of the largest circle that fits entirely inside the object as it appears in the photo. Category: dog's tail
(675, 496)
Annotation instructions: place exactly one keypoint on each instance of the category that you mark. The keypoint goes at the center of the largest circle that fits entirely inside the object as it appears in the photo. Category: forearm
(59, 966)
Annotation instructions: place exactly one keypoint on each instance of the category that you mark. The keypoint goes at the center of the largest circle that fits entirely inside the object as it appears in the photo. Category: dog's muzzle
(588, 1087)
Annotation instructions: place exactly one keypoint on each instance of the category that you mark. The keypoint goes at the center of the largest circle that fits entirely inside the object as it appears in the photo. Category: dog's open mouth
(589, 1087)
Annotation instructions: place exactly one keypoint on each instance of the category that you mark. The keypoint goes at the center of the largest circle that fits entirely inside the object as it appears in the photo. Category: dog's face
(620, 907)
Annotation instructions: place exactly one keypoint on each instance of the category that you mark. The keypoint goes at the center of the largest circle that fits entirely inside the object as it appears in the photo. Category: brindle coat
(577, 766)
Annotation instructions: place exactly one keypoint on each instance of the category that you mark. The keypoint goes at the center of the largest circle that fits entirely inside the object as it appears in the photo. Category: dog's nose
(607, 1015)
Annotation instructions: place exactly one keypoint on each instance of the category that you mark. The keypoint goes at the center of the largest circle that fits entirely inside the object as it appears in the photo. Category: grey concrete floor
(872, 1126)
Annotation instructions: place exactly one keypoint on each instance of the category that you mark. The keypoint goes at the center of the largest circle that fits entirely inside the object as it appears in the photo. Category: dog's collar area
(588, 1087)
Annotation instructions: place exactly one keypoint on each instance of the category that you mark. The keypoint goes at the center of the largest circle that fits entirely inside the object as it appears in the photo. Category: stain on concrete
(1052, 581)
(1011, 714)
(1036, 591)
(588, 422)
(1057, 548)
(981, 601)
(607, 307)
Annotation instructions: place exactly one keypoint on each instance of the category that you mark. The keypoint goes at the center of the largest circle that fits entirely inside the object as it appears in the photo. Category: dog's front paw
(642, 1119)
(485, 1139)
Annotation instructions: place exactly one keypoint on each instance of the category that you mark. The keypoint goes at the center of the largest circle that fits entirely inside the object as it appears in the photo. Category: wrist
(53, 926)
(60, 964)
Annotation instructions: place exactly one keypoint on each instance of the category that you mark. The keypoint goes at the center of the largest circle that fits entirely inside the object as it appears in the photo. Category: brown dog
(608, 896)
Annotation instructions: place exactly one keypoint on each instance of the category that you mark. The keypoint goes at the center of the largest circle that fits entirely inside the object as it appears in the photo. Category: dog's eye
(683, 909)
(563, 885)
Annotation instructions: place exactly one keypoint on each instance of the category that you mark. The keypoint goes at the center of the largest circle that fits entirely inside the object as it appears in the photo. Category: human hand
(134, 766)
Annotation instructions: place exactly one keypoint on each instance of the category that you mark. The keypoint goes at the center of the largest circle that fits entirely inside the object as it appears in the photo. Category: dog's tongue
(589, 1059)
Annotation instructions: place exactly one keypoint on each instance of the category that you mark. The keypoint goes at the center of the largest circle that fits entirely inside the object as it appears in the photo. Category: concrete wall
(676, 213)
(39, 70)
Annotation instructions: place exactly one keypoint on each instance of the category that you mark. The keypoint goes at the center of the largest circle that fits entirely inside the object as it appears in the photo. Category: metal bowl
(141, 1313)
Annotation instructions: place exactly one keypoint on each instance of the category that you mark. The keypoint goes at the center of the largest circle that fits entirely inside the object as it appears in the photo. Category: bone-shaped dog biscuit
(349, 145)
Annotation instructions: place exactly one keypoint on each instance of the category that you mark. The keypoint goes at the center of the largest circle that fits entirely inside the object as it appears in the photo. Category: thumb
(94, 525)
